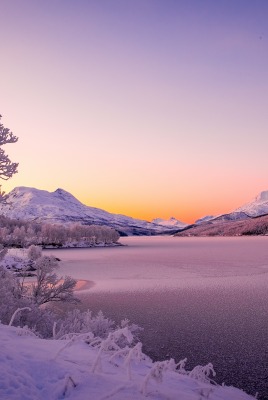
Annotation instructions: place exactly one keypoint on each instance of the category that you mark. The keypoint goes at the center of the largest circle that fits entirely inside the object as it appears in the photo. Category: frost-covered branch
(111, 343)
(16, 312)
(85, 337)
(202, 372)
(68, 382)
(157, 371)
(136, 354)
(48, 287)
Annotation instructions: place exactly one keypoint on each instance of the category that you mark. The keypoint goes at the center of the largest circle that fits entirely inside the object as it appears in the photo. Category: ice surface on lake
(167, 262)
(201, 298)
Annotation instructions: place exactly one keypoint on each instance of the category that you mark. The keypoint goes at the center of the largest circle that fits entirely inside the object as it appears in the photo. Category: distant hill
(249, 219)
(32, 204)
(171, 222)
(203, 219)
(223, 227)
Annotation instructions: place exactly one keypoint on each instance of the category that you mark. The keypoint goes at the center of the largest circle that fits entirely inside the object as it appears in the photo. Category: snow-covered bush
(133, 328)
(47, 286)
(202, 372)
(31, 370)
(12, 297)
(157, 372)
(34, 252)
(180, 367)
(111, 343)
(15, 294)
(77, 321)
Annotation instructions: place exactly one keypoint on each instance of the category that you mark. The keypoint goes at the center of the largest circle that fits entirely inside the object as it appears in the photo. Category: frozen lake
(201, 298)
(167, 262)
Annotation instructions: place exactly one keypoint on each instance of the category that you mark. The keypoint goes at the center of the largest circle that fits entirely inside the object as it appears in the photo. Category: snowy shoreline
(82, 246)
(40, 369)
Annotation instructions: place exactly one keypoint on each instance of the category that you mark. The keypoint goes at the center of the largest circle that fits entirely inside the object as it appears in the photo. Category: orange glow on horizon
(183, 213)
(131, 124)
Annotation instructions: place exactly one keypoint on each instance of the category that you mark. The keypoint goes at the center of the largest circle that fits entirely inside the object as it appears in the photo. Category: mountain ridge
(61, 206)
(249, 219)
(171, 222)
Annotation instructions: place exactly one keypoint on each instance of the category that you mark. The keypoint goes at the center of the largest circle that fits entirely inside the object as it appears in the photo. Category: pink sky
(151, 108)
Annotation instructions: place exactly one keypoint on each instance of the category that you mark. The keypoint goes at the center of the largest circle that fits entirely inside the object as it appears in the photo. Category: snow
(15, 259)
(263, 196)
(32, 204)
(33, 368)
(256, 207)
(171, 222)
(204, 219)
(62, 207)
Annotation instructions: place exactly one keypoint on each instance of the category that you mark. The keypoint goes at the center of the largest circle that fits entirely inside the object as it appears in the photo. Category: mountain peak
(61, 206)
(171, 222)
(257, 207)
(263, 196)
(61, 191)
(65, 196)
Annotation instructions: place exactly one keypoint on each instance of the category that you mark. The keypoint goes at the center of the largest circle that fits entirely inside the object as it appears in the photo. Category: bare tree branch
(48, 286)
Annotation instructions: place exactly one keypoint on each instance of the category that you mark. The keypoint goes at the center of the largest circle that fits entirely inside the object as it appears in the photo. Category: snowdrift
(75, 369)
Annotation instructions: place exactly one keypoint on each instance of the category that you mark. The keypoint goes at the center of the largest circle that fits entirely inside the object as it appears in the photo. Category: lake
(201, 298)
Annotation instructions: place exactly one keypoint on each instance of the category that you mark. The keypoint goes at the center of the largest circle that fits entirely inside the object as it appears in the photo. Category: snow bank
(38, 369)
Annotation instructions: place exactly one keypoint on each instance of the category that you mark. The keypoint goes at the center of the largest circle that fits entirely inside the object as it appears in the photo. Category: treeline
(18, 233)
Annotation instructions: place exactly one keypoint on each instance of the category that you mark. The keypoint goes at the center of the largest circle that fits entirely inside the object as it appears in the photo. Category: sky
(148, 108)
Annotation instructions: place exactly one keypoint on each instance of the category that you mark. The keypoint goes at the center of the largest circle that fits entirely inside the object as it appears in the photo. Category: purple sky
(146, 108)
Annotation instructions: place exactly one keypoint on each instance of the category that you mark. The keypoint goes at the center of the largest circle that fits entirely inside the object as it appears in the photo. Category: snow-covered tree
(7, 167)
(19, 233)
(14, 297)
(48, 286)
(34, 252)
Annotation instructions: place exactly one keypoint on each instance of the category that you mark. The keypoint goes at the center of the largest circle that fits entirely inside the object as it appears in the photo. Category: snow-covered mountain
(256, 207)
(171, 222)
(62, 207)
(249, 219)
(233, 216)
(232, 227)
(204, 219)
